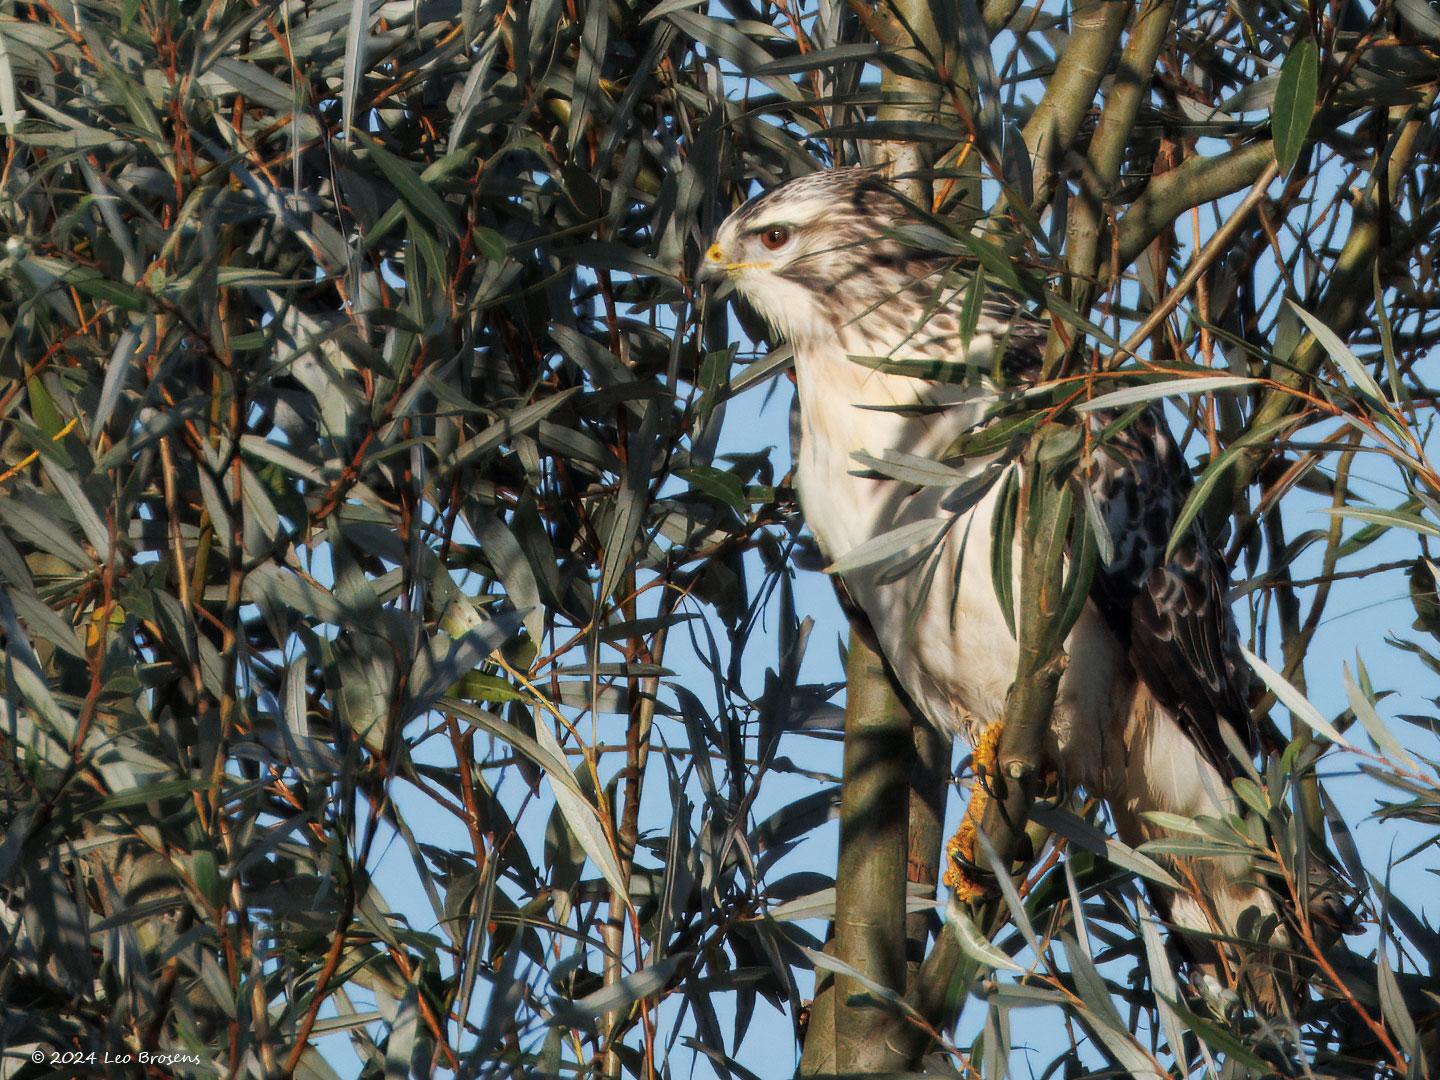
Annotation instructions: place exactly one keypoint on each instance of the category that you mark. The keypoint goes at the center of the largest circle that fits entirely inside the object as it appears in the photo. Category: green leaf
(1292, 699)
(816, 59)
(1392, 1005)
(580, 814)
(207, 877)
(974, 943)
(356, 28)
(1002, 547)
(1294, 105)
(489, 243)
(419, 196)
(1088, 838)
(824, 961)
(1215, 472)
(1395, 519)
(620, 995)
(1338, 351)
(400, 1047)
(1362, 705)
(1216, 1037)
(911, 469)
(722, 486)
(122, 296)
(944, 371)
(1168, 388)
(890, 544)
(1100, 1014)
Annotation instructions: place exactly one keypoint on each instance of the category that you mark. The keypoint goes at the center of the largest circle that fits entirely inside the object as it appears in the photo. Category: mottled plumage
(837, 264)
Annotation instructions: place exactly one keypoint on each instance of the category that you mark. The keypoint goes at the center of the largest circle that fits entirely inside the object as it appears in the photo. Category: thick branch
(1095, 31)
(929, 770)
(998, 13)
(1129, 89)
(907, 29)
(1197, 181)
(874, 849)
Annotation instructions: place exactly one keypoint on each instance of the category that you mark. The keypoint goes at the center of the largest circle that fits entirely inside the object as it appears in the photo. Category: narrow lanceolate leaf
(974, 943)
(1338, 351)
(1162, 978)
(580, 814)
(1169, 388)
(631, 502)
(889, 544)
(441, 663)
(419, 196)
(821, 905)
(833, 57)
(911, 468)
(825, 962)
(945, 371)
(130, 344)
(400, 1050)
(1214, 472)
(619, 995)
(1100, 1014)
(1387, 518)
(1088, 838)
(1392, 1005)
(79, 503)
(1294, 104)
(1002, 547)
(1009, 893)
(355, 32)
(1217, 1037)
(593, 40)
(1296, 702)
(1364, 709)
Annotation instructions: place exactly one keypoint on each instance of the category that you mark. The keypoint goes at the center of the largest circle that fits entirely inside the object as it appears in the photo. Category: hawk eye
(775, 237)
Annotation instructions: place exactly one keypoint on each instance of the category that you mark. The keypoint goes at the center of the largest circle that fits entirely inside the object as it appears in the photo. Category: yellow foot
(961, 848)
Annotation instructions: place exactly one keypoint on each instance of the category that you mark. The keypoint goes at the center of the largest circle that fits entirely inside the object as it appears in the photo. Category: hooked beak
(713, 265)
(716, 266)
(714, 271)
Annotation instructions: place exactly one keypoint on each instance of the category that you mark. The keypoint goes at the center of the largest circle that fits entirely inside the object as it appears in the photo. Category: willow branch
(1130, 87)
(998, 13)
(930, 767)
(1198, 181)
(874, 849)
(1095, 31)
(1215, 247)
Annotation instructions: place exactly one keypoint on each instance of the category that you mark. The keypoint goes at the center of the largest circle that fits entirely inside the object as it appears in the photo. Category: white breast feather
(957, 658)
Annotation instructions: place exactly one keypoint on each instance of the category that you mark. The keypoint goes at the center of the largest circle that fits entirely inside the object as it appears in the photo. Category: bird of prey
(837, 265)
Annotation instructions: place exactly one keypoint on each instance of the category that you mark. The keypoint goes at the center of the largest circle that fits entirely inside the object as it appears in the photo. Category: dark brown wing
(1171, 614)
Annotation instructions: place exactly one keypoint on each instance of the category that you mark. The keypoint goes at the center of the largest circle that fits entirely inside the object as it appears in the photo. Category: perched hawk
(1155, 666)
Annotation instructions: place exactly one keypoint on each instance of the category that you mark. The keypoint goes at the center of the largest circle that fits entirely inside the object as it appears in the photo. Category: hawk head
(821, 251)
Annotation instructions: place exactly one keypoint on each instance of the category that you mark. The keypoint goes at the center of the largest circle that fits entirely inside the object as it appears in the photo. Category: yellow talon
(961, 848)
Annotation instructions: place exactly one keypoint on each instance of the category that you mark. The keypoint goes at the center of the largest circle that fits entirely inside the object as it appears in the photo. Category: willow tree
(394, 663)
